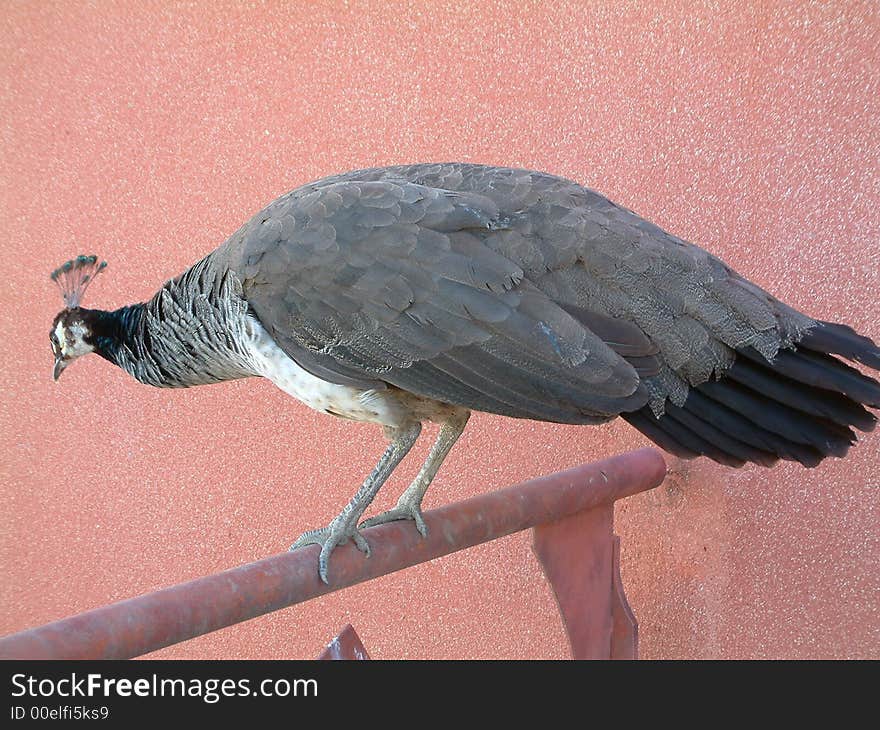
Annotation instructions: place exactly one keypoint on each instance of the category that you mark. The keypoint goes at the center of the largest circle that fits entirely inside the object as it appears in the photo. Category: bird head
(71, 334)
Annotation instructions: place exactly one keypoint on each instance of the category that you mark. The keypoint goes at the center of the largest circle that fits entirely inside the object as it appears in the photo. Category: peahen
(404, 294)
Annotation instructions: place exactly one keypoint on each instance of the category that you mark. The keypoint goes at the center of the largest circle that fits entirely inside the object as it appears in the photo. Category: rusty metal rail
(149, 622)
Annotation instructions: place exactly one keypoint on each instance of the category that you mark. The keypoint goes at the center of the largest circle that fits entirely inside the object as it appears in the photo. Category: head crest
(74, 276)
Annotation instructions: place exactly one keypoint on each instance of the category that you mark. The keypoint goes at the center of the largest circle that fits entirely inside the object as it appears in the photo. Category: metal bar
(140, 625)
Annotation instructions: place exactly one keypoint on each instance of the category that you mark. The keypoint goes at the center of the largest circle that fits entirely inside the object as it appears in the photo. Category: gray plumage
(427, 291)
(433, 277)
(192, 332)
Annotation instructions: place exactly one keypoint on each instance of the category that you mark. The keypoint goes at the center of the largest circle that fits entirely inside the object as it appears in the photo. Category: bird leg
(344, 526)
(409, 506)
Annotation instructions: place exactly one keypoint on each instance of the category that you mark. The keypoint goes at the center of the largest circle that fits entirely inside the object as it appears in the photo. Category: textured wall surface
(147, 132)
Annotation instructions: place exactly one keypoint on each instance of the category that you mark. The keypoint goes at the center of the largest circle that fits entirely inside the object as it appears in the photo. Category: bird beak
(60, 364)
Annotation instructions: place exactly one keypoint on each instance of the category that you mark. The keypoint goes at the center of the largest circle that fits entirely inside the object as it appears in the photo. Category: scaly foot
(404, 510)
(409, 506)
(340, 530)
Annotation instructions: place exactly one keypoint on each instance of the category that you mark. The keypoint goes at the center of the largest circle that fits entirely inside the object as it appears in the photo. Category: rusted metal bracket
(347, 645)
(144, 624)
(581, 559)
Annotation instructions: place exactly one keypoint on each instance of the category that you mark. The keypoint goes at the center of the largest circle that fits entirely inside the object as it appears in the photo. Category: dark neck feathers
(113, 332)
(194, 331)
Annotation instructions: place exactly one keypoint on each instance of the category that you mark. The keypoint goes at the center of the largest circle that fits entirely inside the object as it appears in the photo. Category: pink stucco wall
(147, 132)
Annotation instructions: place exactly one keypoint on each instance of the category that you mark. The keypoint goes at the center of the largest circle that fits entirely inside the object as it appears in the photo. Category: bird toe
(335, 534)
(401, 512)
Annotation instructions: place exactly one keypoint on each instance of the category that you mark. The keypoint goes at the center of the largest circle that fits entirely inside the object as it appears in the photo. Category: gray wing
(390, 281)
(525, 294)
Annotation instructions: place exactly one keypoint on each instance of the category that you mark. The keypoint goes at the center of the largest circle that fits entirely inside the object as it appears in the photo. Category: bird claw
(400, 512)
(336, 533)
